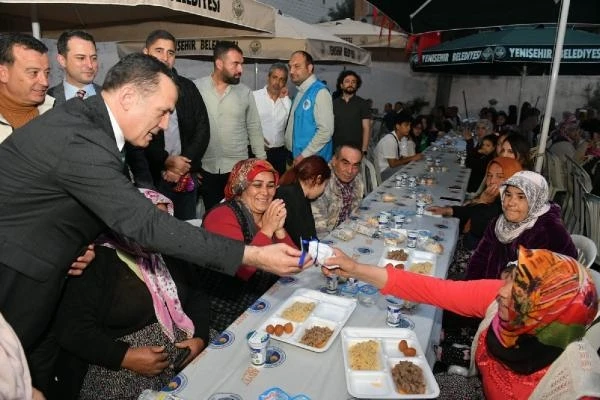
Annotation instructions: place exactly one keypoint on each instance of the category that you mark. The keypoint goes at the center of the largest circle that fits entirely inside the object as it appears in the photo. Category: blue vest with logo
(305, 126)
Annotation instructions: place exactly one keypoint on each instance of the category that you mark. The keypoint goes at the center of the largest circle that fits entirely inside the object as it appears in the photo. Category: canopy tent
(418, 16)
(506, 52)
(49, 15)
(290, 35)
(433, 15)
(363, 34)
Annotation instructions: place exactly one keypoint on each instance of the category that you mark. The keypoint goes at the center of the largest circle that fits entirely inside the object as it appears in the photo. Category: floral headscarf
(157, 277)
(535, 188)
(553, 299)
(243, 173)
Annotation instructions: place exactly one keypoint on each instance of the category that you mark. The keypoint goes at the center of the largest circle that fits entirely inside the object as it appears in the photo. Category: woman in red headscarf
(249, 213)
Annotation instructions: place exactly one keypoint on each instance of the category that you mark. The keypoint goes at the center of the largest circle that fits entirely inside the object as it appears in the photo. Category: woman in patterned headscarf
(544, 304)
(249, 213)
(528, 219)
(123, 322)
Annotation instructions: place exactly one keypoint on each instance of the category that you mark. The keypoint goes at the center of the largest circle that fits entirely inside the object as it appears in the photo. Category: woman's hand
(489, 195)
(347, 265)
(273, 218)
(196, 345)
(436, 210)
(146, 360)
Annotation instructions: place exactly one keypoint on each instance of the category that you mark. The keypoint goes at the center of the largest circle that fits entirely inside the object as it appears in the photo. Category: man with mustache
(234, 121)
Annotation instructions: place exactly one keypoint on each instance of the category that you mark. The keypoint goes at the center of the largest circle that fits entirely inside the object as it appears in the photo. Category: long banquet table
(223, 370)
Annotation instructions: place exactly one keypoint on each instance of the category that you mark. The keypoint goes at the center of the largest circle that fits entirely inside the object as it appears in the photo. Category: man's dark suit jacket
(194, 130)
(58, 92)
(61, 184)
(134, 156)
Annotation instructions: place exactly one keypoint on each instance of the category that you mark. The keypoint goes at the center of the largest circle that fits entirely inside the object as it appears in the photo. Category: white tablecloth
(223, 371)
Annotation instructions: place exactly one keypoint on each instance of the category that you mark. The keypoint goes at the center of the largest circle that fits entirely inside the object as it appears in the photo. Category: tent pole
(255, 75)
(35, 23)
(523, 73)
(418, 10)
(558, 48)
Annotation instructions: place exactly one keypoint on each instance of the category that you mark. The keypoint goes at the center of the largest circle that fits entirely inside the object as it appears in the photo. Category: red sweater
(222, 220)
(471, 299)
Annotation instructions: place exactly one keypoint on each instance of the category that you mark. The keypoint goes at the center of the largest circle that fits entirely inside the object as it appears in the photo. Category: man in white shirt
(396, 148)
(274, 106)
(77, 56)
(234, 121)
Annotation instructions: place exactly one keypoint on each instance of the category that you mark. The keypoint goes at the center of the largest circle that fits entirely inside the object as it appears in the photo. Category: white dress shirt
(273, 116)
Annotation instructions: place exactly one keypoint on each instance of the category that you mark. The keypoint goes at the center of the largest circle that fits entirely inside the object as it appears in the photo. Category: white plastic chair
(586, 250)
(592, 220)
(556, 178)
(370, 175)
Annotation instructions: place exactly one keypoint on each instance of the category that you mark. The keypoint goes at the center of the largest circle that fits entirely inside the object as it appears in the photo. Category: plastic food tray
(330, 311)
(379, 384)
(414, 256)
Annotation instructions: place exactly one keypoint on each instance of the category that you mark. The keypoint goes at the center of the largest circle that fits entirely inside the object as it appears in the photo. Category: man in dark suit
(61, 184)
(77, 57)
(175, 155)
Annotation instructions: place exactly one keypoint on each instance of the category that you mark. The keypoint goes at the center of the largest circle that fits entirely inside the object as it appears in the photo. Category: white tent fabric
(59, 15)
(290, 35)
(363, 34)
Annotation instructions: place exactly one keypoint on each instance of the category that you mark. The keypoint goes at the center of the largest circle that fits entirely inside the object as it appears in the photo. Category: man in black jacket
(175, 155)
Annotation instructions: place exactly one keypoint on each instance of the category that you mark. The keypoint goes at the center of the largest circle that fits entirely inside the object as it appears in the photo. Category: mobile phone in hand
(180, 358)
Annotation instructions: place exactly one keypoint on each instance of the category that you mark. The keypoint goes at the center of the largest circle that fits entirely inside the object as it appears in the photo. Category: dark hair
(278, 66)
(339, 148)
(309, 169)
(307, 57)
(223, 47)
(520, 148)
(401, 118)
(141, 70)
(9, 40)
(346, 73)
(62, 45)
(491, 138)
(157, 35)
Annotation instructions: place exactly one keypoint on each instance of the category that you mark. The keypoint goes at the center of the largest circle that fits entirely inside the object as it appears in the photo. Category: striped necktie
(80, 93)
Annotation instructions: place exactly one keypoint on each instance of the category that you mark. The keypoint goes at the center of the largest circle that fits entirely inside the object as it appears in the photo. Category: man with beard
(274, 106)
(77, 56)
(310, 125)
(234, 121)
(352, 116)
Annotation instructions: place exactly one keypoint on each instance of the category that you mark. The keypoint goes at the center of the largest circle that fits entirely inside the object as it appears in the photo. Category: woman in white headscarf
(528, 219)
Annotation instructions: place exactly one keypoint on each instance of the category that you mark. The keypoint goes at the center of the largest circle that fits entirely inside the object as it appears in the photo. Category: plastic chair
(586, 250)
(556, 179)
(592, 219)
(370, 175)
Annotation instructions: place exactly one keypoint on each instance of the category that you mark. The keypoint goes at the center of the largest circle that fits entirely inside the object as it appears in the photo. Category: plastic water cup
(258, 342)
(394, 311)
(367, 295)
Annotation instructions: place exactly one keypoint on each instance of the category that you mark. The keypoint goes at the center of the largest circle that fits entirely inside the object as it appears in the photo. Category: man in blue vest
(310, 125)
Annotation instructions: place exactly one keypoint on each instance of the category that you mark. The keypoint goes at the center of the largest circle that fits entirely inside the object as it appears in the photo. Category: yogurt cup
(394, 311)
(258, 342)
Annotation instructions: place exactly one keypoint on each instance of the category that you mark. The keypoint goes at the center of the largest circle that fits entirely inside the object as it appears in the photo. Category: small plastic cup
(258, 342)
(412, 239)
(367, 295)
(394, 311)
